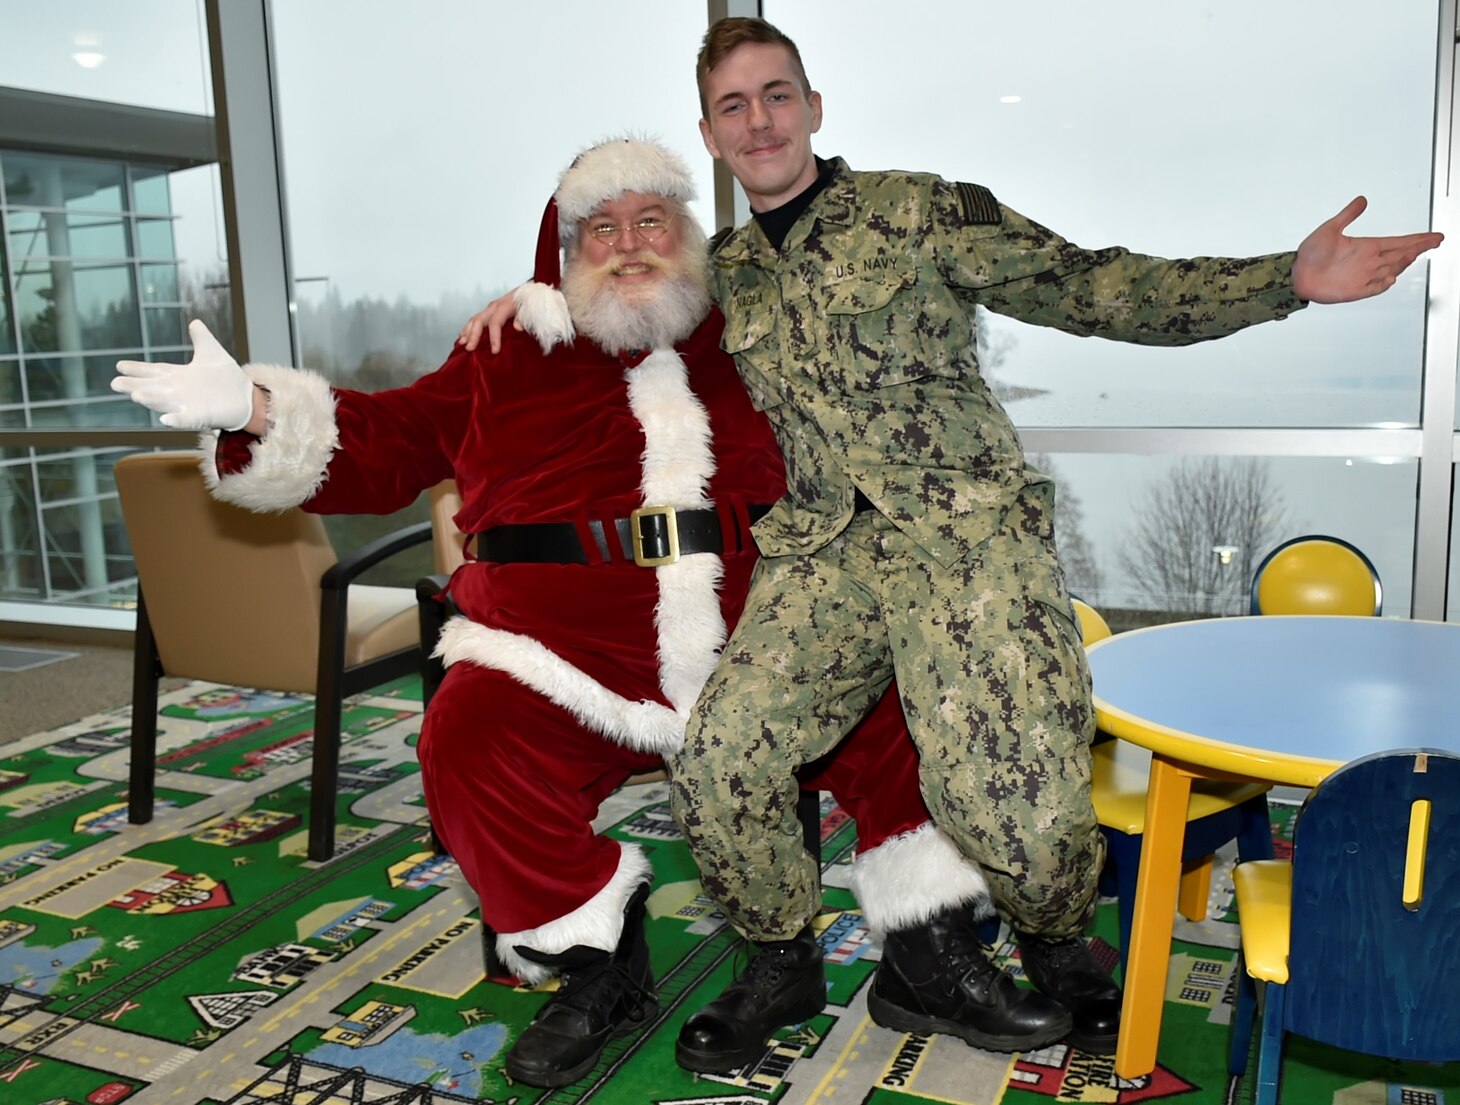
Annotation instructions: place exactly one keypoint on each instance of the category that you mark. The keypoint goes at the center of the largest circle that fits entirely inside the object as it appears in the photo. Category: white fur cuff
(544, 314)
(290, 461)
(911, 878)
(597, 923)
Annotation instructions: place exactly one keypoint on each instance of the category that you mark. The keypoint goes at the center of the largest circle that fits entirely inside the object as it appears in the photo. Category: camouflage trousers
(996, 692)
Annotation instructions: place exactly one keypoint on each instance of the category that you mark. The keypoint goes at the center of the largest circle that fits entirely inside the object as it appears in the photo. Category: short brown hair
(726, 34)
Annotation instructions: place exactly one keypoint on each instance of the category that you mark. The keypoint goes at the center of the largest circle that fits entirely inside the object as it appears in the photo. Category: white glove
(210, 392)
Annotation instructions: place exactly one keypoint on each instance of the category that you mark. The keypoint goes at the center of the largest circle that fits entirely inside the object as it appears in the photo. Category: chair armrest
(367, 556)
(433, 613)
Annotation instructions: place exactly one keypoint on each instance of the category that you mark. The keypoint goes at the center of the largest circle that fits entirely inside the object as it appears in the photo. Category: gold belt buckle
(671, 529)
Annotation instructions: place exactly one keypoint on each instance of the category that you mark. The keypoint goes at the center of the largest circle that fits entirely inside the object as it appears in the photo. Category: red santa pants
(513, 783)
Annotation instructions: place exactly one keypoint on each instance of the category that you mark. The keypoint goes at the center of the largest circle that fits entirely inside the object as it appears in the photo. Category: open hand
(210, 392)
(1332, 267)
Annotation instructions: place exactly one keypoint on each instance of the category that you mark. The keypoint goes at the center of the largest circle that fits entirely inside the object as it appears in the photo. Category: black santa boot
(602, 995)
(937, 977)
(784, 983)
(1068, 971)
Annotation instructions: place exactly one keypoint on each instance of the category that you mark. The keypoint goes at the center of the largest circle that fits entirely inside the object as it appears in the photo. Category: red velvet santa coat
(576, 675)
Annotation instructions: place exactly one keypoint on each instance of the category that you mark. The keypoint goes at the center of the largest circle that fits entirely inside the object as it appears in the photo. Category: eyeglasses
(649, 229)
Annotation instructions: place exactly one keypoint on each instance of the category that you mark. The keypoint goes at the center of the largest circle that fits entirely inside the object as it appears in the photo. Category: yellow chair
(1316, 574)
(1093, 626)
(254, 600)
(1373, 889)
(1218, 812)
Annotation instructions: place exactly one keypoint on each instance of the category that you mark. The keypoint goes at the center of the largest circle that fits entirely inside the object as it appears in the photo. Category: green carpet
(203, 959)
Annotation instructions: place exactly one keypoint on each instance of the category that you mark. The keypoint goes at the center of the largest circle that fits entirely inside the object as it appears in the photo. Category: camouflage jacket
(857, 339)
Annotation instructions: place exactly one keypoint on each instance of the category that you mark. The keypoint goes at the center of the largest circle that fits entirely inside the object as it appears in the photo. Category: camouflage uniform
(857, 340)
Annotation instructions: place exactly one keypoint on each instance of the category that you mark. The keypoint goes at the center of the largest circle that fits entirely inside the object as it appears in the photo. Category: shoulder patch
(719, 239)
(978, 204)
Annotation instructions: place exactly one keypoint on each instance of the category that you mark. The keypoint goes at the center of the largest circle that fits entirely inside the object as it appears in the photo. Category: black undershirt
(777, 222)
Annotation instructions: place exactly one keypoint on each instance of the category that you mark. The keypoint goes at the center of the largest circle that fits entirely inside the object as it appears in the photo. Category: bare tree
(1198, 533)
(1077, 556)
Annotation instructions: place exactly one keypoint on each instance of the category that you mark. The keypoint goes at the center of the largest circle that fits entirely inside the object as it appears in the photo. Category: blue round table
(1278, 699)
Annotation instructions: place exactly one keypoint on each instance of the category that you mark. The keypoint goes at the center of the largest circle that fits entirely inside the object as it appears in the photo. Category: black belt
(650, 536)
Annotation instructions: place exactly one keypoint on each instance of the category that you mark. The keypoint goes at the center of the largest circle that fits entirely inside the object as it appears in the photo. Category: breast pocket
(889, 329)
(750, 337)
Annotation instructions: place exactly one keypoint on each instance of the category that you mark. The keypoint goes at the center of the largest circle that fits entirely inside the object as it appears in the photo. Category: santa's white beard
(639, 316)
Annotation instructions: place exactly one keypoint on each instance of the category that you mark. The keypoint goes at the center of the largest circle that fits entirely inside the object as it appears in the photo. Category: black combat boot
(603, 995)
(1068, 971)
(784, 983)
(937, 977)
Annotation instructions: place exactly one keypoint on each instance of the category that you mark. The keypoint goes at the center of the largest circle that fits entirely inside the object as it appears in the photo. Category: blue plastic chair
(1373, 890)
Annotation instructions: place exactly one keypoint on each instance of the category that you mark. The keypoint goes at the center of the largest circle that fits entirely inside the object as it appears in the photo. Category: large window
(1176, 130)
(110, 238)
(416, 196)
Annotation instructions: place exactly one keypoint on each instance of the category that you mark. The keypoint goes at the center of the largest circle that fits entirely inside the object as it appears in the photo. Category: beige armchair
(255, 600)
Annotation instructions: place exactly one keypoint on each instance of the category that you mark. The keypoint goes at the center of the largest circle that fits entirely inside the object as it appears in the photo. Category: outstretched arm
(1332, 267)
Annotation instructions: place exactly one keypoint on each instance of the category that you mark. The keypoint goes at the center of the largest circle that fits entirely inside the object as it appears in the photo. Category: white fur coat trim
(597, 923)
(543, 313)
(912, 877)
(643, 726)
(676, 467)
(290, 461)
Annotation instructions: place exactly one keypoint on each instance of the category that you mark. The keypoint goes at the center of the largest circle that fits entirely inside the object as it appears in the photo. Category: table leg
(1148, 958)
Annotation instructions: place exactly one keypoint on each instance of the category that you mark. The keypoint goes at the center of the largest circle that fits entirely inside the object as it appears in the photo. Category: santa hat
(598, 174)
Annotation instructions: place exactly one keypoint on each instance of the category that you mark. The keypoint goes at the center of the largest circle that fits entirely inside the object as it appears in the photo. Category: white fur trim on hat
(911, 878)
(544, 314)
(290, 461)
(597, 923)
(609, 169)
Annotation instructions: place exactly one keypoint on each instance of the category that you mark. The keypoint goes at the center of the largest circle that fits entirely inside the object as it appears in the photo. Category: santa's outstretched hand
(210, 392)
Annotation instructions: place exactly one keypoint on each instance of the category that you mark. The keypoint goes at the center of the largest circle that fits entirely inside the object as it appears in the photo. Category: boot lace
(599, 988)
(968, 955)
(762, 974)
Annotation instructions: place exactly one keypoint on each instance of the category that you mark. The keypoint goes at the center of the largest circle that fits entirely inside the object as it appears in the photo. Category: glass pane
(10, 389)
(154, 238)
(72, 552)
(1108, 141)
(106, 303)
(1143, 538)
(76, 390)
(89, 236)
(76, 183)
(165, 326)
(34, 298)
(150, 194)
(20, 570)
(152, 54)
(7, 314)
(391, 293)
(159, 283)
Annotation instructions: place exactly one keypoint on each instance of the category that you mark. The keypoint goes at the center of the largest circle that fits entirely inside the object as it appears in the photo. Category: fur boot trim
(643, 726)
(597, 923)
(912, 877)
(544, 314)
(290, 461)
